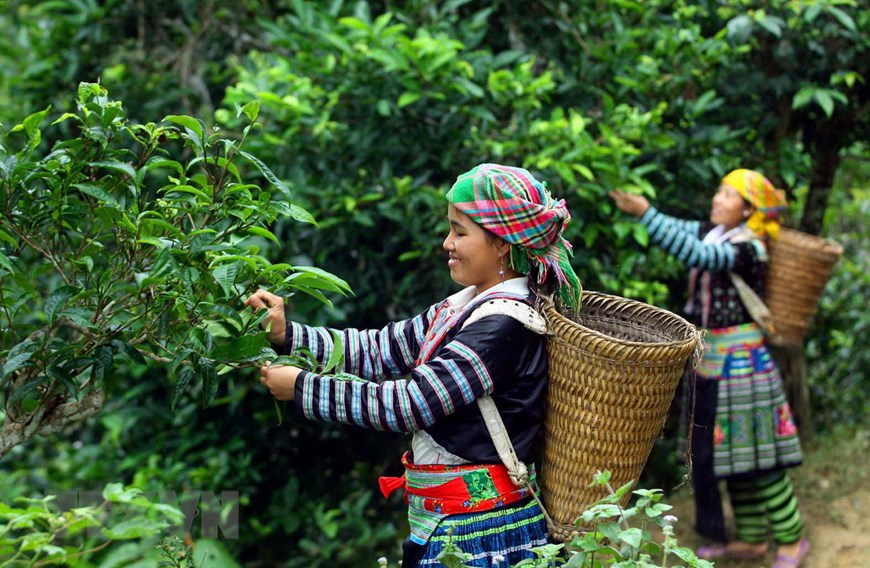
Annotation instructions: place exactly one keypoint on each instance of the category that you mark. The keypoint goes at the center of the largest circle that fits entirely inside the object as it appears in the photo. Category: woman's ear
(504, 248)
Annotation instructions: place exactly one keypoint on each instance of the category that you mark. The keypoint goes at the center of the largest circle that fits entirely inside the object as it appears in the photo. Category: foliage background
(369, 110)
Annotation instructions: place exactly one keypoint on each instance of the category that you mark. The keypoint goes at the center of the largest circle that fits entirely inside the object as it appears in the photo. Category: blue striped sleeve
(682, 240)
(463, 371)
(370, 354)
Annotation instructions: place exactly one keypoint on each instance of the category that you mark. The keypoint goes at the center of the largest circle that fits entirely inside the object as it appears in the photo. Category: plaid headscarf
(767, 200)
(518, 208)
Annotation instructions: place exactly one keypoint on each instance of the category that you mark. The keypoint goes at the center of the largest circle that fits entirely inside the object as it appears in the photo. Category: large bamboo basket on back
(614, 369)
(800, 266)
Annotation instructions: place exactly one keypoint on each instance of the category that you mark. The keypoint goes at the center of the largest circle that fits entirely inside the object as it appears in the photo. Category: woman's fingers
(280, 380)
(264, 372)
(274, 319)
(262, 299)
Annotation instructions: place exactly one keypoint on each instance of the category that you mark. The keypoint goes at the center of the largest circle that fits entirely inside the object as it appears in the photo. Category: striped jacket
(393, 390)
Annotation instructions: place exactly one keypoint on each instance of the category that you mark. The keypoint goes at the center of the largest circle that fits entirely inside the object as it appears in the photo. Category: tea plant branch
(50, 420)
(74, 554)
(24, 236)
(154, 357)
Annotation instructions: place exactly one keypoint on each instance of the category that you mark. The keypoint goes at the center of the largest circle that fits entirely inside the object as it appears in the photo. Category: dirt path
(833, 490)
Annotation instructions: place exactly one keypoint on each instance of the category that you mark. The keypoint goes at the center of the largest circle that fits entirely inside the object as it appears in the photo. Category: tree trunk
(827, 138)
(44, 421)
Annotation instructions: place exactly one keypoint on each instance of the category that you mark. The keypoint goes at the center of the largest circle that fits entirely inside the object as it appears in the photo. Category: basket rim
(811, 243)
(693, 336)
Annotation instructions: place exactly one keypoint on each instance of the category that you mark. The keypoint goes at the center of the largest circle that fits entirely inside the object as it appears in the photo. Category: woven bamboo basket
(800, 266)
(614, 369)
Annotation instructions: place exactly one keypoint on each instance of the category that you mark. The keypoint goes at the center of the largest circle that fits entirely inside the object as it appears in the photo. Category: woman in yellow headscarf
(743, 431)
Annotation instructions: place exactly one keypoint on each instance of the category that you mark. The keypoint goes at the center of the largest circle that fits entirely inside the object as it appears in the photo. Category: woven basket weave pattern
(614, 369)
(800, 266)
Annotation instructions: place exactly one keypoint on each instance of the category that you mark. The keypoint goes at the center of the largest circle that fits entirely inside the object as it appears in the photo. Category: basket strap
(754, 304)
(531, 319)
(517, 470)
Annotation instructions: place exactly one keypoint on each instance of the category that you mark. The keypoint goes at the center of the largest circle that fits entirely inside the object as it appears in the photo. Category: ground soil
(833, 490)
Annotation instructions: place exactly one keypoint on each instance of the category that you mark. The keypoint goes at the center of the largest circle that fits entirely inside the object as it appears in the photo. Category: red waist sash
(452, 489)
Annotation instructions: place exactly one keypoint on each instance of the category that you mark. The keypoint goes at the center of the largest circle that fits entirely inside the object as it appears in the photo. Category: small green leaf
(640, 234)
(17, 357)
(336, 358)
(408, 98)
(825, 101)
(134, 354)
(115, 493)
(120, 167)
(209, 381)
(265, 233)
(601, 478)
(32, 122)
(267, 173)
(195, 125)
(103, 363)
(844, 18)
(57, 299)
(133, 529)
(225, 275)
(252, 110)
(803, 97)
(299, 214)
(6, 237)
(632, 537)
(184, 376)
(622, 229)
(240, 348)
(98, 193)
(6, 264)
(279, 411)
(319, 272)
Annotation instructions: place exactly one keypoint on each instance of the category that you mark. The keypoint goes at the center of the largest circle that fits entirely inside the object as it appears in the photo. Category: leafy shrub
(112, 248)
(37, 532)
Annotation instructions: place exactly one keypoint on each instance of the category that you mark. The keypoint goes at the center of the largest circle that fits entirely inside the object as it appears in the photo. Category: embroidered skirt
(754, 429)
(507, 533)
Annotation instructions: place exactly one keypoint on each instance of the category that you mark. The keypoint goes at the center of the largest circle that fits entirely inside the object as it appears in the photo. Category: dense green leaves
(128, 247)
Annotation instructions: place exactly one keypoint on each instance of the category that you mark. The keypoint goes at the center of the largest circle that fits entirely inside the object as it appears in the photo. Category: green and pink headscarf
(518, 208)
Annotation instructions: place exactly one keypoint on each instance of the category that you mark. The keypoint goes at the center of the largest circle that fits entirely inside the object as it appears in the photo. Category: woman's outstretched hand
(280, 380)
(263, 300)
(631, 203)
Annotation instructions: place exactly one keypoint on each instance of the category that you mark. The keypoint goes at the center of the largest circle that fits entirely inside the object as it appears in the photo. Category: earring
(747, 213)
(501, 268)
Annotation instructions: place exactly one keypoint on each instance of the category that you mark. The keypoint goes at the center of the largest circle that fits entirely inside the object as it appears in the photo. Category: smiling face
(729, 207)
(474, 256)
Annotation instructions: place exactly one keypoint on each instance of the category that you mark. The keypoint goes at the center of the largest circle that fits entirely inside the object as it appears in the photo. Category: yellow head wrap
(767, 200)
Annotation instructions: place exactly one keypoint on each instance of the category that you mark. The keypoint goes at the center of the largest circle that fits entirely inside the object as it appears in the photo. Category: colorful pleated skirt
(501, 537)
(754, 429)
